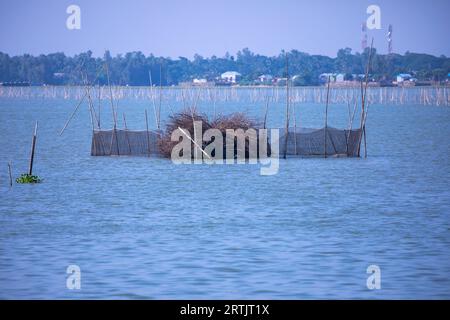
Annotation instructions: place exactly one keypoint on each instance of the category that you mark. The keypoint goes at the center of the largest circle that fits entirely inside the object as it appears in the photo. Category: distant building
(199, 81)
(359, 77)
(265, 79)
(334, 77)
(280, 81)
(323, 78)
(340, 77)
(231, 76)
(202, 82)
(404, 77)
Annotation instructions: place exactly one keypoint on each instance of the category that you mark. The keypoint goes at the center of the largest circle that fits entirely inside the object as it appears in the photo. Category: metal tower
(363, 36)
(389, 39)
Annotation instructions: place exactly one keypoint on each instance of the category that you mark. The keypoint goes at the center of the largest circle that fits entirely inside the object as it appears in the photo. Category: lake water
(146, 228)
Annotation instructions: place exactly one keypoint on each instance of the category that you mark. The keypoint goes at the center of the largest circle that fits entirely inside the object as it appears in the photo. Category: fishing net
(312, 142)
(125, 143)
(302, 142)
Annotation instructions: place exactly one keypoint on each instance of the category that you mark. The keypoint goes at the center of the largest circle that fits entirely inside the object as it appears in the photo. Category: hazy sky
(184, 27)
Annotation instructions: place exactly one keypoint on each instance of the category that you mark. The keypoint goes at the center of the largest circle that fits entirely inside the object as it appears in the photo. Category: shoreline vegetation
(429, 95)
(138, 69)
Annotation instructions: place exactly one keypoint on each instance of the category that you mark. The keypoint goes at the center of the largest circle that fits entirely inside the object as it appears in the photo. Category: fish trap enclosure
(301, 142)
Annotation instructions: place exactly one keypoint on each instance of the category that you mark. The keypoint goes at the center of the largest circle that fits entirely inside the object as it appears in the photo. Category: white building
(265, 78)
(231, 76)
(325, 76)
(199, 81)
(339, 77)
(334, 77)
(403, 77)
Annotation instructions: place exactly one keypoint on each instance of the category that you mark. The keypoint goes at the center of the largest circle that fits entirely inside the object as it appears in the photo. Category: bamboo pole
(365, 142)
(153, 97)
(295, 128)
(287, 109)
(73, 113)
(148, 137)
(99, 106)
(350, 126)
(10, 174)
(265, 113)
(33, 147)
(111, 97)
(91, 109)
(126, 133)
(364, 131)
(362, 123)
(114, 133)
(326, 119)
(160, 96)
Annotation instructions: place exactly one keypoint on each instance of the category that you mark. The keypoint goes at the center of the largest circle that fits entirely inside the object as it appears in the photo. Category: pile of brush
(185, 120)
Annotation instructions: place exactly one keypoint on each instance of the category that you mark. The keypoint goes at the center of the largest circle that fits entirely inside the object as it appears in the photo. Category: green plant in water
(28, 178)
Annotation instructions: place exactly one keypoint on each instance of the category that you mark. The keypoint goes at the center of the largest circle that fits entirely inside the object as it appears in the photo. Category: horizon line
(217, 56)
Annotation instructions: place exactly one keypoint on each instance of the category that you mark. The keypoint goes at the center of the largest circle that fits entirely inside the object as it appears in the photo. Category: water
(145, 228)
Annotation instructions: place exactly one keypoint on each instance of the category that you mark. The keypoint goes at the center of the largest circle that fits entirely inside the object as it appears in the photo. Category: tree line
(136, 69)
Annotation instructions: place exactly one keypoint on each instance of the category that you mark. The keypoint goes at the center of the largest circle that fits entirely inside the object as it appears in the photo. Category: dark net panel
(300, 142)
(125, 142)
(312, 142)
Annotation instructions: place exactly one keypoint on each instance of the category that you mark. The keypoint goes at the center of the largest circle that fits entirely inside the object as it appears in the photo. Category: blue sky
(208, 27)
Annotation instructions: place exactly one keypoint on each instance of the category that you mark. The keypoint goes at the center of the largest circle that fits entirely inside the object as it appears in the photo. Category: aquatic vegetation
(28, 178)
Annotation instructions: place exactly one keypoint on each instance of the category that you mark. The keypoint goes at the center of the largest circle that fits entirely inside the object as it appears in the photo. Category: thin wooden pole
(99, 105)
(90, 103)
(365, 142)
(295, 128)
(111, 98)
(326, 119)
(366, 84)
(160, 96)
(91, 109)
(153, 97)
(350, 126)
(364, 131)
(363, 116)
(10, 174)
(117, 141)
(33, 146)
(148, 138)
(126, 133)
(73, 113)
(265, 113)
(287, 109)
(114, 133)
